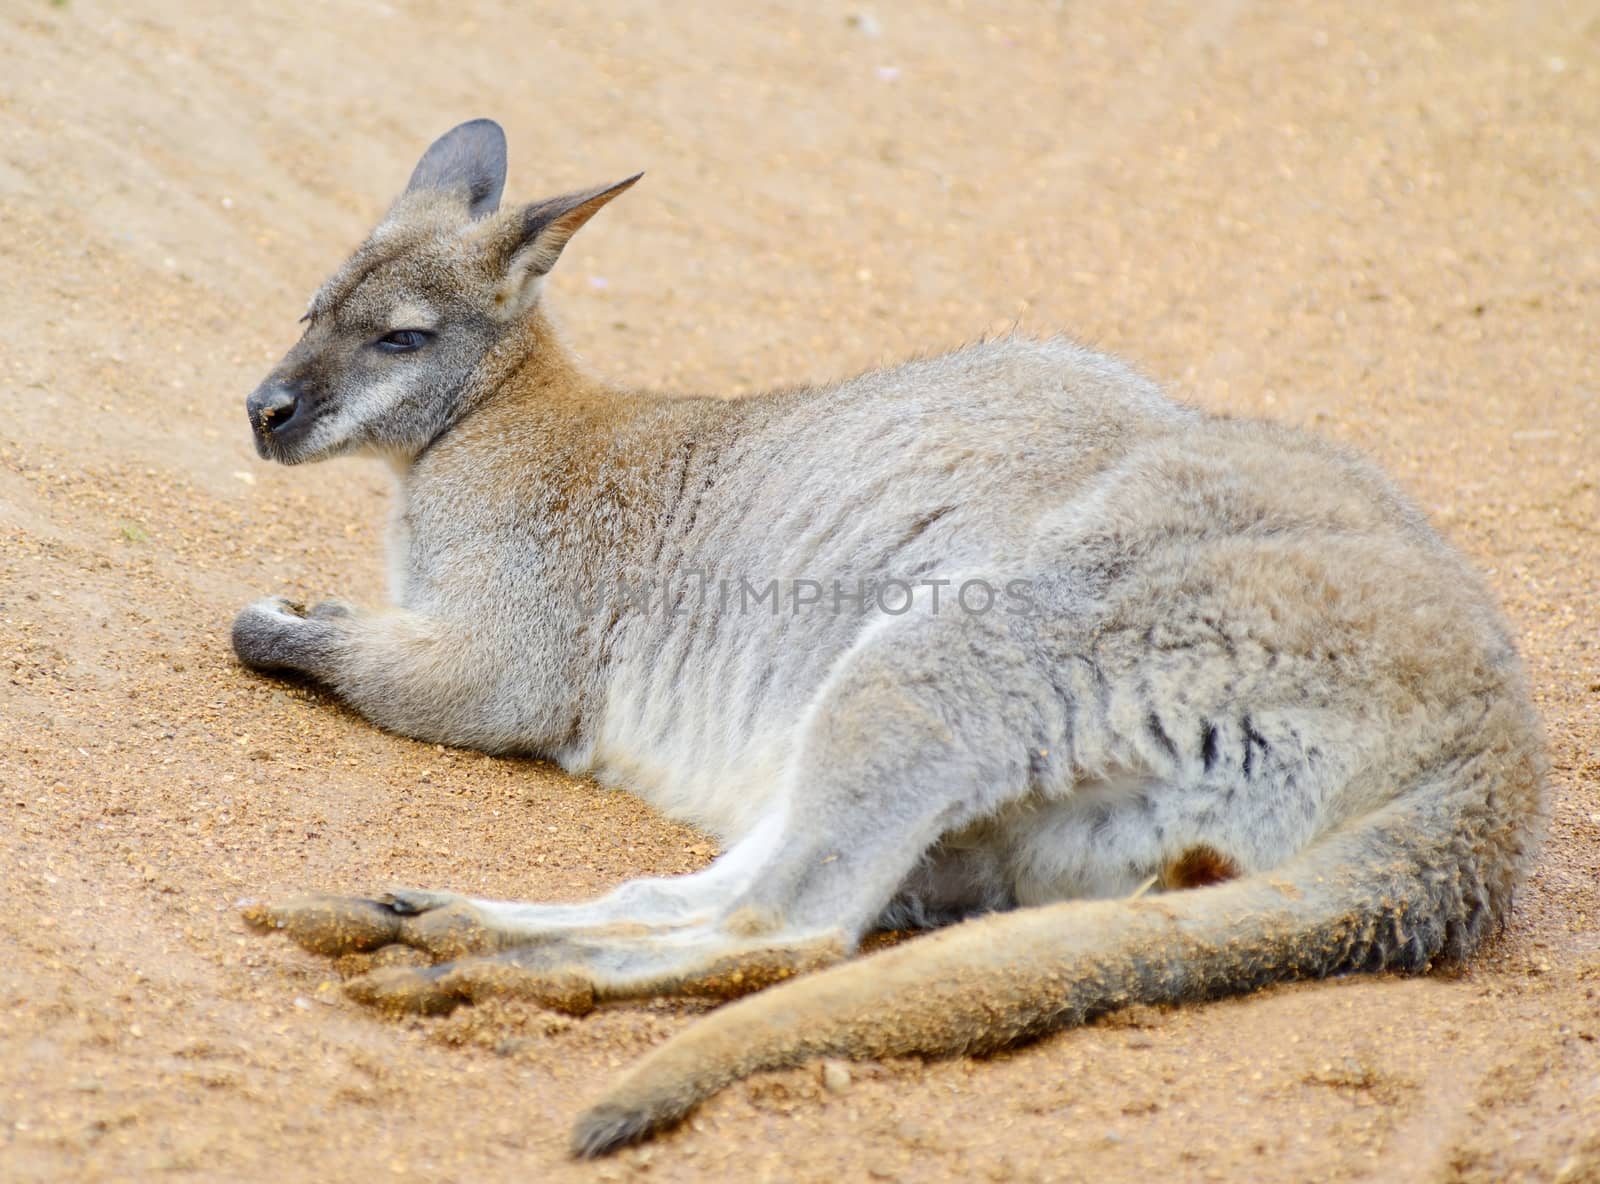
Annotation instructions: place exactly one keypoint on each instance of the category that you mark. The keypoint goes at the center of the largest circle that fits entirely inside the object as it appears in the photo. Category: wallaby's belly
(701, 715)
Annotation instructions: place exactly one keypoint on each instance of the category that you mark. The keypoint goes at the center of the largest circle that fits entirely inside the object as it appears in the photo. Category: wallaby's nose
(270, 408)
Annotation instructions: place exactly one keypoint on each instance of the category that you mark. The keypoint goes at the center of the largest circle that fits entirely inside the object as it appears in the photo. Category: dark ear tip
(480, 125)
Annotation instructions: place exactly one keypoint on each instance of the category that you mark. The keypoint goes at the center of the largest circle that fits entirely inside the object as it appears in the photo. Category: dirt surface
(1370, 219)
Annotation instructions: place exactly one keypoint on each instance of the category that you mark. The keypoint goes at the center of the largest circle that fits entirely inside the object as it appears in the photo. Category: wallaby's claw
(281, 604)
(414, 901)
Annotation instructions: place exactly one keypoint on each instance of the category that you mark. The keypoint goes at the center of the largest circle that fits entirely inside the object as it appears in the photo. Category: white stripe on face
(374, 403)
(413, 314)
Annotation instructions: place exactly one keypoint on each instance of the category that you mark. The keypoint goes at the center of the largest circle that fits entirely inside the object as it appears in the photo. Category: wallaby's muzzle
(275, 412)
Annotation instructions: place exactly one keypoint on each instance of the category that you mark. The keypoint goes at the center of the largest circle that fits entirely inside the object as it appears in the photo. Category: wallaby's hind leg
(448, 925)
(909, 740)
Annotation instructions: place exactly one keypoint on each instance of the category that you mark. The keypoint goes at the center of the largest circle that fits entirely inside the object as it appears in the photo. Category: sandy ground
(1377, 221)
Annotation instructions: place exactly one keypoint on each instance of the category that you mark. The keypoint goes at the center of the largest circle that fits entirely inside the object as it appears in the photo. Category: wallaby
(1161, 706)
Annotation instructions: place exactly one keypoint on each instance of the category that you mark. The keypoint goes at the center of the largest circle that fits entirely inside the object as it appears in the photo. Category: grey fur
(1223, 651)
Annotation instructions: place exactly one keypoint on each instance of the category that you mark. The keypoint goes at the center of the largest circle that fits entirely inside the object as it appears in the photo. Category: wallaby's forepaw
(275, 634)
(268, 634)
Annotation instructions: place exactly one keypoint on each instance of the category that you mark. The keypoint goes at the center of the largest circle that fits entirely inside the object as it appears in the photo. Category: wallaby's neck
(617, 456)
(532, 369)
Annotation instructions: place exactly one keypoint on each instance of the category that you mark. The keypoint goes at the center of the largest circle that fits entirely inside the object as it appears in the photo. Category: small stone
(835, 1076)
(866, 24)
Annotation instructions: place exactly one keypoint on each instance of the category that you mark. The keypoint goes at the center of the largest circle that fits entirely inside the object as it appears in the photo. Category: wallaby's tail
(1422, 878)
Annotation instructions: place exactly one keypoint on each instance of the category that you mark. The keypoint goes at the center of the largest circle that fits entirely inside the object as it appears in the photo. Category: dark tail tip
(609, 1127)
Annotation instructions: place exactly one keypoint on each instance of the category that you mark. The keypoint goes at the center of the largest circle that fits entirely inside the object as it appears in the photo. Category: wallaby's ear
(544, 230)
(471, 158)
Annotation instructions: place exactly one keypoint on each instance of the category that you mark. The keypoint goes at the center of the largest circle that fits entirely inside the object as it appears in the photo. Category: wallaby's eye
(403, 340)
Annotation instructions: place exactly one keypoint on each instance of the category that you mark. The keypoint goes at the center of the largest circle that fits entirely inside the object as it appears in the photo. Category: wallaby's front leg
(405, 672)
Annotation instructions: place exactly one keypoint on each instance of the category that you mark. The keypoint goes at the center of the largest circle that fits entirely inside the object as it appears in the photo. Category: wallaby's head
(395, 339)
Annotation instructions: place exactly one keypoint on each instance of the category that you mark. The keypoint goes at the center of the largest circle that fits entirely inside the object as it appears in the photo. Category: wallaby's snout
(275, 412)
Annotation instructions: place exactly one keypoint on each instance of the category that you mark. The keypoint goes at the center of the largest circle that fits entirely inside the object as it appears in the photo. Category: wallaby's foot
(538, 974)
(477, 958)
(440, 924)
